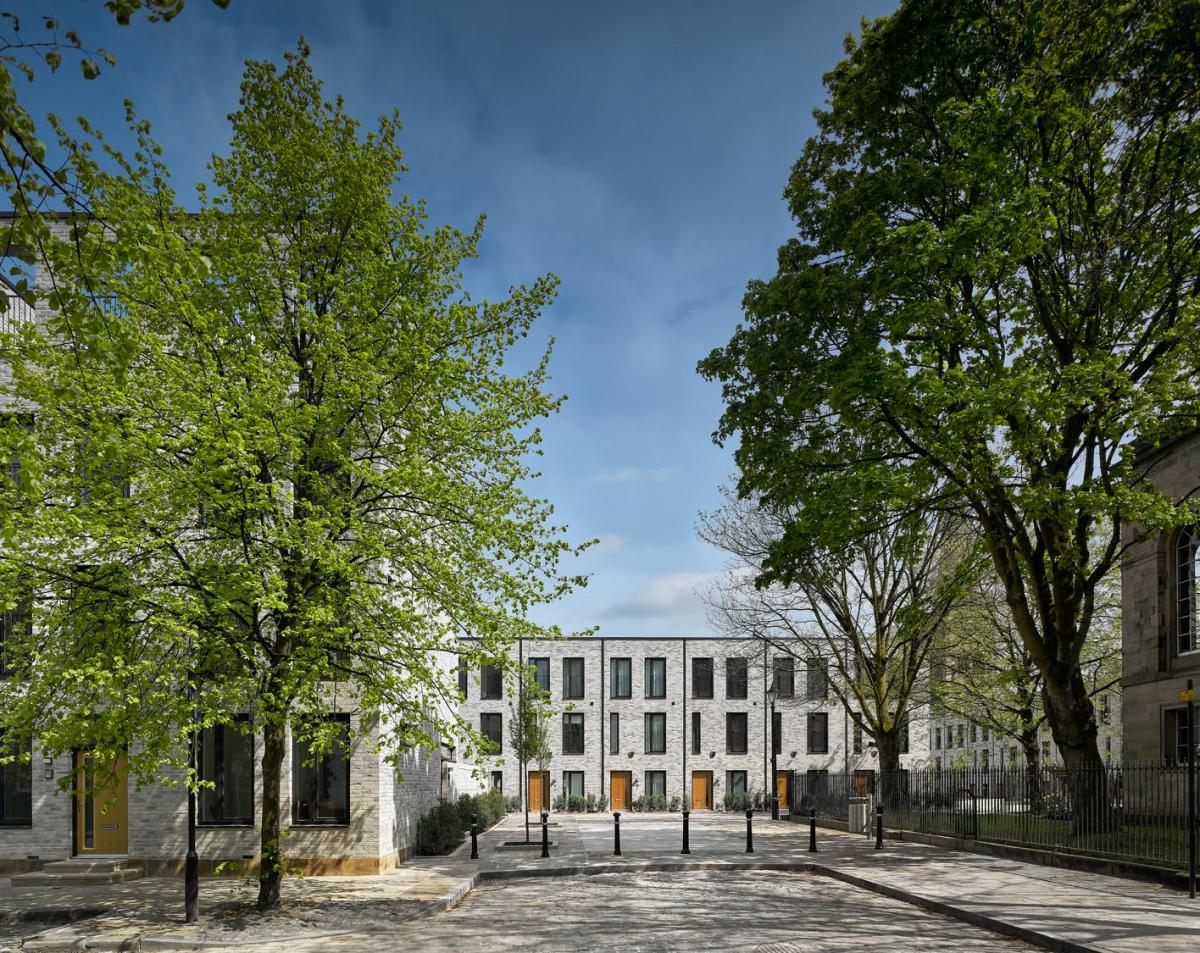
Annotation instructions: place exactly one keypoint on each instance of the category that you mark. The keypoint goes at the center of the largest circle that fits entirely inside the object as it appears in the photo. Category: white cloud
(638, 475)
(670, 594)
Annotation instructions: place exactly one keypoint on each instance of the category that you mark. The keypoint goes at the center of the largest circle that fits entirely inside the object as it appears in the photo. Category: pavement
(1051, 908)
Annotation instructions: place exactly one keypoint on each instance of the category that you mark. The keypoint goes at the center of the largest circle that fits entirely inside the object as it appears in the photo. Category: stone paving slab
(1054, 908)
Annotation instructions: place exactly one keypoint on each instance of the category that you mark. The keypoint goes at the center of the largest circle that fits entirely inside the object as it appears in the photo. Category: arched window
(1186, 578)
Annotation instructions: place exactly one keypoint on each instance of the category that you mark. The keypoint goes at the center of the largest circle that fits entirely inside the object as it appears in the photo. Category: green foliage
(736, 802)
(675, 803)
(989, 304)
(512, 804)
(443, 827)
(602, 804)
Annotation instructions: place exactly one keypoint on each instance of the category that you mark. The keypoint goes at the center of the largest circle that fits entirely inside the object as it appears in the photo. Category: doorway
(101, 807)
(620, 783)
(782, 786)
(539, 791)
(702, 790)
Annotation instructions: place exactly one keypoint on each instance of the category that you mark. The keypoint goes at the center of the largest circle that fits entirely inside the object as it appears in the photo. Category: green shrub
(440, 829)
(591, 803)
(577, 802)
(602, 804)
(736, 802)
(559, 803)
(675, 803)
(513, 805)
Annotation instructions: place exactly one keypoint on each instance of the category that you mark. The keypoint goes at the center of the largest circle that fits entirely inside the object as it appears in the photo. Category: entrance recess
(702, 790)
(539, 791)
(620, 783)
(101, 813)
(781, 791)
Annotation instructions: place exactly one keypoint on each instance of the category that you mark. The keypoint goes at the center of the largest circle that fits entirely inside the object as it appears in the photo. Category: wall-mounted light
(47, 768)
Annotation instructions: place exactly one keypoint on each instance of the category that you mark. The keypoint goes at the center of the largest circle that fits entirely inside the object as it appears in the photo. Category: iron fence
(1136, 813)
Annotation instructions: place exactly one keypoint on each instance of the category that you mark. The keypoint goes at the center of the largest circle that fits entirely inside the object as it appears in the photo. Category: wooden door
(702, 790)
(539, 785)
(781, 791)
(101, 808)
(619, 784)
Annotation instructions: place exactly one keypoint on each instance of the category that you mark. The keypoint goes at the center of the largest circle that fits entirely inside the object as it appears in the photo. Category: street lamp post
(191, 874)
(772, 694)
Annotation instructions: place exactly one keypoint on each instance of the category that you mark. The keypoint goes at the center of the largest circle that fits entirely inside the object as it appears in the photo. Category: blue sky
(637, 150)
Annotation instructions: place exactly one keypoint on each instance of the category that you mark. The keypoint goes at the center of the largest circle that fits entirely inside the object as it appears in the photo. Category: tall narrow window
(16, 627)
(656, 733)
(817, 679)
(904, 734)
(16, 786)
(572, 678)
(736, 680)
(498, 780)
(695, 732)
(777, 732)
(656, 784)
(572, 741)
(818, 732)
(858, 738)
(785, 675)
(735, 732)
(656, 678)
(491, 682)
(620, 678)
(462, 678)
(1175, 737)
(491, 726)
(226, 758)
(1185, 590)
(735, 783)
(573, 787)
(541, 673)
(702, 678)
(614, 733)
(321, 781)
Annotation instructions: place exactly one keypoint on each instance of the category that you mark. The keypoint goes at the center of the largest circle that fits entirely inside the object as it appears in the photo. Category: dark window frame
(702, 675)
(497, 719)
(617, 665)
(651, 718)
(541, 665)
(783, 675)
(20, 774)
(298, 765)
(649, 665)
(733, 718)
(491, 683)
(21, 614)
(614, 732)
(219, 791)
(655, 774)
(737, 683)
(697, 736)
(573, 723)
(568, 690)
(817, 718)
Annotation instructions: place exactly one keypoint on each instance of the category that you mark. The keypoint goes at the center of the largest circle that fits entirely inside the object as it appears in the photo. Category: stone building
(674, 717)
(1160, 639)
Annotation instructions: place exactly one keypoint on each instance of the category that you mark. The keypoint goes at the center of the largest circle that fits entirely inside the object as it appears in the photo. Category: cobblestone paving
(768, 912)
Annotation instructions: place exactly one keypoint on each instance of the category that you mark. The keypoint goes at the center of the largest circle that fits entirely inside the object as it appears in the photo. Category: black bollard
(879, 827)
(545, 834)
(749, 832)
(686, 815)
(812, 830)
(616, 833)
(474, 836)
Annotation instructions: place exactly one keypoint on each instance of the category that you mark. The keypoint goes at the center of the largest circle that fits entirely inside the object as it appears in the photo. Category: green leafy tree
(992, 296)
(529, 730)
(275, 460)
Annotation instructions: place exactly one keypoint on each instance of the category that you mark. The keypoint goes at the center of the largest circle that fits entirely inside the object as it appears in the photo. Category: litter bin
(859, 813)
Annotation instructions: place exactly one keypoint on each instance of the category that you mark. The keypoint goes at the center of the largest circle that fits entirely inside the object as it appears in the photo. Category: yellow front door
(781, 790)
(539, 784)
(101, 807)
(702, 789)
(619, 784)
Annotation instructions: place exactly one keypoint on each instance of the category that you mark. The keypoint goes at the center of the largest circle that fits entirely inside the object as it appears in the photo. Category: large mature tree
(274, 460)
(994, 287)
(871, 609)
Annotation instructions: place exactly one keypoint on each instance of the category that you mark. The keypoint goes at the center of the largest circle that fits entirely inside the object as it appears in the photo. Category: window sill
(17, 824)
(320, 824)
(225, 825)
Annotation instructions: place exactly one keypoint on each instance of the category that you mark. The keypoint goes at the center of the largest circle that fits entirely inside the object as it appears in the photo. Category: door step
(78, 872)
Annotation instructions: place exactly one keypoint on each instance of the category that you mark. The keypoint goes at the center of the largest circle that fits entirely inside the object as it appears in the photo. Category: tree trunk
(888, 743)
(1033, 769)
(270, 874)
(1073, 725)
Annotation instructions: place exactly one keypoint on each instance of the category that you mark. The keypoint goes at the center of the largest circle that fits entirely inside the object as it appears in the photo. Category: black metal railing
(1136, 813)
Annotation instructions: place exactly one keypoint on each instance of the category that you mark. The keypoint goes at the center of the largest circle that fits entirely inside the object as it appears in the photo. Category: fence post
(616, 833)
(474, 836)
(812, 830)
(974, 813)
(879, 827)
(545, 834)
(1191, 787)
(749, 831)
(686, 815)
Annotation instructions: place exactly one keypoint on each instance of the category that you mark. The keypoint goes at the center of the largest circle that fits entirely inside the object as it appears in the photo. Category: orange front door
(101, 806)
(702, 789)
(781, 791)
(619, 783)
(539, 786)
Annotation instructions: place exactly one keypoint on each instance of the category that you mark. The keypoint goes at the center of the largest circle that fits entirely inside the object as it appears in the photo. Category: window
(1175, 737)
(1105, 710)
(572, 733)
(937, 739)
(656, 784)
(541, 673)
(16, 788)
(695, 732)
(1046, 746)
(958, 736)
(736, 681)
(462, 678)
(904, 735)
(491, 726)
(321, 781)
(17, 423)
(1185, 590)
(985, 732)
(491, 682)
(858, 738)
(573, 678)
(777, 732)
(973, 731)
(573, 784)
(818, 732)
(702, 678)
(735, 732)
(785, 676)
(226, 759)
(816, 685)
(620, 678)
(656, 733)
(498, 780)
(16, 627)
(614, 733)
(735, 783)
(656, 678)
